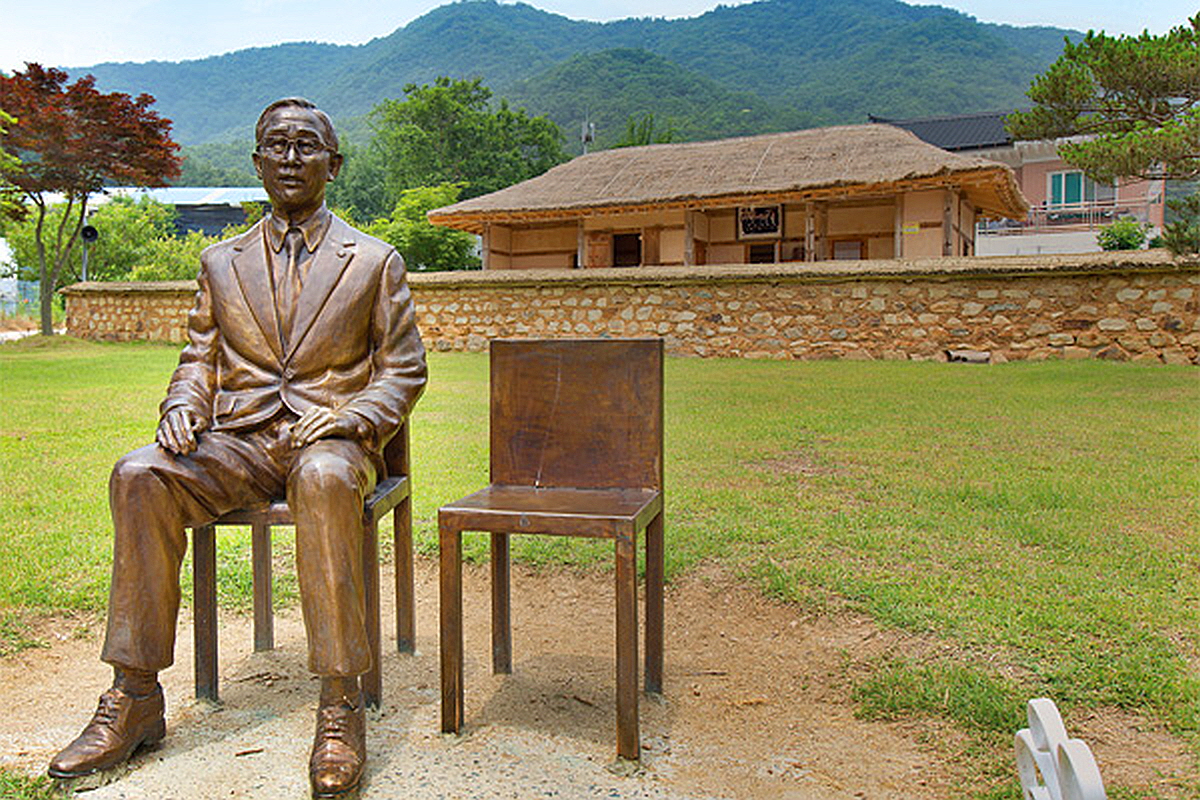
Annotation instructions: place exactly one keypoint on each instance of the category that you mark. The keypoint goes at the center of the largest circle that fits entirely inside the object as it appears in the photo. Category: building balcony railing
(1068, 217)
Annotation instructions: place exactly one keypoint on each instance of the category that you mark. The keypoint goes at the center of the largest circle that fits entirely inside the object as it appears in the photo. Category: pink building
(1065, 206)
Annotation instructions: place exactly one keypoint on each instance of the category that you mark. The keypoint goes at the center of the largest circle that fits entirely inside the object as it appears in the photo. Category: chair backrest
(395, 452)
(583, 413)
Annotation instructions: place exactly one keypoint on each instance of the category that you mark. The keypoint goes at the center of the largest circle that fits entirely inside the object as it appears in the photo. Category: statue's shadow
(267, 708)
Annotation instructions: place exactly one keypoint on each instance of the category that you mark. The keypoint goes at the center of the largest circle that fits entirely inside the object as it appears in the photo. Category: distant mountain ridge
(761, 66)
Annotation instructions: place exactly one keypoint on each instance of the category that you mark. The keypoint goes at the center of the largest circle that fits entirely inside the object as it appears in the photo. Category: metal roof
(957, 132)
(191, 195)
(176, 195)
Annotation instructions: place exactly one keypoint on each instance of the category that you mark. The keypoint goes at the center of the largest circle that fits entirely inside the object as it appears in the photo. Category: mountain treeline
(763, 66)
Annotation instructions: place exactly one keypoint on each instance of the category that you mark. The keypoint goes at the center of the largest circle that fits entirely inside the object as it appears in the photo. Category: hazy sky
(85, 32)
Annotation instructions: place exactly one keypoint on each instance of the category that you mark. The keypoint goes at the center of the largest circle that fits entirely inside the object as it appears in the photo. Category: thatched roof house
(853, 191)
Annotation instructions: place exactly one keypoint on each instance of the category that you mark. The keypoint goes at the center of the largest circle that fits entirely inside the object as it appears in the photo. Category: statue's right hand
(177, 431)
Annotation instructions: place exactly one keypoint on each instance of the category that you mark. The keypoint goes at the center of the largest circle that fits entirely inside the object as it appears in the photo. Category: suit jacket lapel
(253, 272)
(329, 262)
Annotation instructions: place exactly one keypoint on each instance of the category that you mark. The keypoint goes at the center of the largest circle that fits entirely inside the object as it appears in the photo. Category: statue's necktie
(288, 284)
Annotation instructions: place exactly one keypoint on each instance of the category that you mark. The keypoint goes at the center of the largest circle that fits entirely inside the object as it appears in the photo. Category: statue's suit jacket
(353, 345)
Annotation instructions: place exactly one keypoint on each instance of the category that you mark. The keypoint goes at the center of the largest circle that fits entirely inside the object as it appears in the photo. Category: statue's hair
(330, 136)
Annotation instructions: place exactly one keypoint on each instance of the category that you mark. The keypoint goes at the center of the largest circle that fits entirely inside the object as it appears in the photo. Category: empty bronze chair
(392, 493)
(576, 450)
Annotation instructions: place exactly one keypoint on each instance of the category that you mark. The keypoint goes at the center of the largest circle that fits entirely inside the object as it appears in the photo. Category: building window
(1074, 188)
(627, 249)
(760, 254)
(848, 250)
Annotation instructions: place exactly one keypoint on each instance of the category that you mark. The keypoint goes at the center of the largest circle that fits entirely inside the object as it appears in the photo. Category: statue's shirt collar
(313, 228)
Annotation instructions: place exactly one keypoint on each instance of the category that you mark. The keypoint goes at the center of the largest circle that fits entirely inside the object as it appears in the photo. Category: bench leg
(204, 593)
(451, 642)
(654, 605)
(501, 606)
(628, 744)
(372, 682)
(406, 603)
(264, 617)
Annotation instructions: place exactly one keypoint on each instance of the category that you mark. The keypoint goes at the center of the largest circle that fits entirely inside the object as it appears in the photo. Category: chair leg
(451, 641)
(204, 582)
(501, 606)
(654, 605)
(406, 604)
(628, 744)
(264, 617)
(372, 682)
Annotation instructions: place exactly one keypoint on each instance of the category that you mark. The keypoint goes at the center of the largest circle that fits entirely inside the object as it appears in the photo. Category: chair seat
(387, 495)
(390, 494)
(601, 513)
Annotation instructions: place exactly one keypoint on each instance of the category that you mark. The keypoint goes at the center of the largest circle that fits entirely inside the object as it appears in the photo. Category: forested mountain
(689, 104)
(749, 68)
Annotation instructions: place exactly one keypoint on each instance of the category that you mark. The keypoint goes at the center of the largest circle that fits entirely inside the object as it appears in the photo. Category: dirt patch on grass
(1136, 752)
(800, 463)
(17, 324)
(756, 705)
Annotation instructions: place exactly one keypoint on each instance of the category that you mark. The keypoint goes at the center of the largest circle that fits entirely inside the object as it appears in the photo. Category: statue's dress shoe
(339, 749)
(122, 723)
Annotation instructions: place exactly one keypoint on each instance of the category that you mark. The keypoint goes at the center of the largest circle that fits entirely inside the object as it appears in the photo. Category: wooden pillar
(486, 237)
(810, 233)
(580, 246)
(948, 222)
(689, 238)
(898, 229)
(822, 245)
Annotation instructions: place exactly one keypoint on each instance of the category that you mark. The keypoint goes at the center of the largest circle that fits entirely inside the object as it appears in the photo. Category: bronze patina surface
(303, 360)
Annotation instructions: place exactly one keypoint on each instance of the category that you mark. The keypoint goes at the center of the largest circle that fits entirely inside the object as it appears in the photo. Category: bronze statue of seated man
(303, 359)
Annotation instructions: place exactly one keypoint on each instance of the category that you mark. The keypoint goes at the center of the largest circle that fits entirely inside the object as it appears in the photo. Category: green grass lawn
(1042, 519)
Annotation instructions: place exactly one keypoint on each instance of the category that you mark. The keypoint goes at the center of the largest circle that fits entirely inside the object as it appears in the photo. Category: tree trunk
(46, 301)
(44, 296)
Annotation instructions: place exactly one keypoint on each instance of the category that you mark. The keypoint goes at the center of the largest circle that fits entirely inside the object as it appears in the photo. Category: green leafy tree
(1136, 98)
(218, 164)
(11, 206)
(172, 258)
(427, 247)
(360, 190)
(448, 132)
(642, 130)
(1182, 233)
(1123, 234)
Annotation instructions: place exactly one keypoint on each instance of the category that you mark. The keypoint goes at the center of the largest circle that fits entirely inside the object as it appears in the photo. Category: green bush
(1124, 234)
(137, 242)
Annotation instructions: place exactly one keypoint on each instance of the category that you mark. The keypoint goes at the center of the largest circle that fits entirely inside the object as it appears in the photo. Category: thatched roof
(845, 162)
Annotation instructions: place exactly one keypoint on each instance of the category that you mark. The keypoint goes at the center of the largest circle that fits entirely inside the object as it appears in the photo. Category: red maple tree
(72, 140)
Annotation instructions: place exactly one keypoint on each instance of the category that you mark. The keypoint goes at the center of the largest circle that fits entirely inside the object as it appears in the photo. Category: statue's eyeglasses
(278, 146)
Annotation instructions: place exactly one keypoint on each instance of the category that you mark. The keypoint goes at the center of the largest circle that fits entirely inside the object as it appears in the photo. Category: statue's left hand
(319, 422)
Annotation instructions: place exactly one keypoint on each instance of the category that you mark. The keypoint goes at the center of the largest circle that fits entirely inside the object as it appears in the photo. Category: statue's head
(296, 154)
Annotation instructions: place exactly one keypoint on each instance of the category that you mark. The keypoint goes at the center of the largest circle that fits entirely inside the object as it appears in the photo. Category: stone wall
(1123, 306)
(122, 312)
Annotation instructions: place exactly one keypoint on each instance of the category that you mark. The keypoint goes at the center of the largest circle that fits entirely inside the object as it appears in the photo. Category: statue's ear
(335, 164)
(257, 159)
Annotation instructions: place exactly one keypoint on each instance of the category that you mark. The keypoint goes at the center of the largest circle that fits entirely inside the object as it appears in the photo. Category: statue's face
(293, 160)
